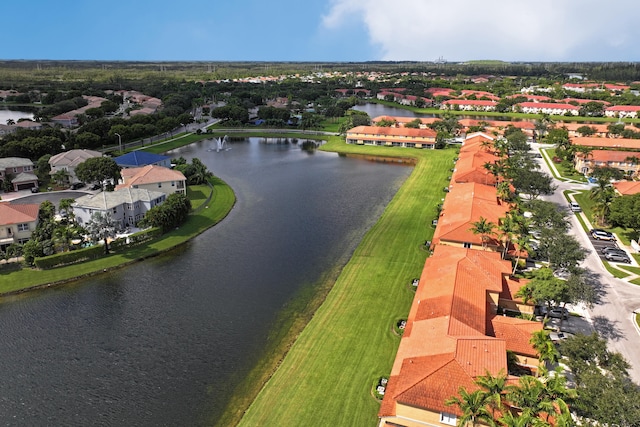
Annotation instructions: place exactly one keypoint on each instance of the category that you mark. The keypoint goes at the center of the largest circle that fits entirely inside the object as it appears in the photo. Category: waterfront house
(469, 105)
(139, 158)
(126, 206)
(152, 177)
(392, 137)
(452, 336)
(547, 108)
(622, 111)
(17, 222)
(464, 205)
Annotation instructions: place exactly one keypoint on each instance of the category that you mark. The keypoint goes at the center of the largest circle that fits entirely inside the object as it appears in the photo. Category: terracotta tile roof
(624, 108)
(511, 287)
(465, 204)
(611, 155)
(627, 187)
(590, 141)
(386, 131)
(516, 333)
(470, 166)
(549, 105)
(149, 174)
(18, 214)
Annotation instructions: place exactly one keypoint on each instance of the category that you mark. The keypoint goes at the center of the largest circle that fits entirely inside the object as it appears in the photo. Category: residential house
(627, 188)
(139, 158)
(468, 105)
(453, 335)
(471, 166)
(555, 109)
(19, 171)
(464, 205)
(155, 178)
(625, 161)
(70, 118)
(126, 206)
(392, 137)
(606, 143)
(69, 160)
(622, 111)
(17, 221)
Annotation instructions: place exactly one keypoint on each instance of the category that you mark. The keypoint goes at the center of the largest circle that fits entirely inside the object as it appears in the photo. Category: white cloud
(541, 30)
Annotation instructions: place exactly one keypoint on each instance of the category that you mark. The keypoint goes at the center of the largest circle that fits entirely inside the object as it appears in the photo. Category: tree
(624, 211)
(586, 130)
(413, 124)
(533, 182)
(546, 349)
(172, 213)
(102, 227)
(43, 167)
(98, 169)
(473, 406)
(561, 250)
(493, 388)
(61, 176)
(484, 228)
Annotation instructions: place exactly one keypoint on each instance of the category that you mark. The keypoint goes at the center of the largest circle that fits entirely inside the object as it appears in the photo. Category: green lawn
(565, 169)
(222, 202)
(586, 203)
(326, 377)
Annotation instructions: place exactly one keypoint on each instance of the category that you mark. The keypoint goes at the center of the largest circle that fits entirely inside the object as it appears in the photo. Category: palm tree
(545, 348)
(61, 176)
(494, 388)
(508, 419)
(509, 228)
(10, 122)
(66, 206)
(484, 228)
(473, 406)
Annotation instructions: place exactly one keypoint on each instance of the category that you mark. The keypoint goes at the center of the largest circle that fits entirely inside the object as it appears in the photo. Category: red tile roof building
(392, 137)
(17, 222)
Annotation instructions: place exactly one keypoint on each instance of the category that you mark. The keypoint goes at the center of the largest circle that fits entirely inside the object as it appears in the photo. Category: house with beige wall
(392, 137)
(17, 222)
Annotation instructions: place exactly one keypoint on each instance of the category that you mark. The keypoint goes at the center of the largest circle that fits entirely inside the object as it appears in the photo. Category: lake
(163, 342)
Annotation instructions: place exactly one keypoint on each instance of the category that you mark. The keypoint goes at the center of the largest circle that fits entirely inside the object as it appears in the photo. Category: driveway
(52, 196)
(612, 315)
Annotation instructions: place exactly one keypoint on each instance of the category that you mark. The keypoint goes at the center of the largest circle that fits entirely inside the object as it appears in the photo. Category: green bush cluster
(71, 257)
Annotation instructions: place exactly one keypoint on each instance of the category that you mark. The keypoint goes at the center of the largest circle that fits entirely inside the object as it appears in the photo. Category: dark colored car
(95, 187)
(77, 185)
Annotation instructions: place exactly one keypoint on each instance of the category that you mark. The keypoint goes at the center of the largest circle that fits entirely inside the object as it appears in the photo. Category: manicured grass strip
(631, 269)
(222, 202)
(614, 270)
(638, 319)
(587, 203)
(326, 377)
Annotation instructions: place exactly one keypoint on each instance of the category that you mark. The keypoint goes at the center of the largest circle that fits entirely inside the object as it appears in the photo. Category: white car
(575, 207)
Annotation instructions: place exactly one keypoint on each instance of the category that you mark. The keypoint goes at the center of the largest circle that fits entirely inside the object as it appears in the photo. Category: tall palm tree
(545, 348)
(10, 122)
(493, 388)
(508, 228)
(484, 228)
(473, 406)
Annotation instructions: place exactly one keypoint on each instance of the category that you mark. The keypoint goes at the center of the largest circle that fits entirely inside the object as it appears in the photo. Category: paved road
(612, 316)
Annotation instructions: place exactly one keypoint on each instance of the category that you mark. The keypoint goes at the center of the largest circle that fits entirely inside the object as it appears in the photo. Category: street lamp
(119, 140)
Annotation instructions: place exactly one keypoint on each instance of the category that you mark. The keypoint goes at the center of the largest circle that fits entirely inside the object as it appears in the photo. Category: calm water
(163, 342)
(13, 115)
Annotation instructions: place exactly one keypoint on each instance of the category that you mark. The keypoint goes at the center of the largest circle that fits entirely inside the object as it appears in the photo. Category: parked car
(559, 336)
(599, 234)
(95, 187)
(575, 207)
(612, 249)
(558, 313)
(617, 257)
(77, 185)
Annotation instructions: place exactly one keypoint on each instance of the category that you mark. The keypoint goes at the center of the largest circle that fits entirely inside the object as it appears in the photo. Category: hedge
(71, 257)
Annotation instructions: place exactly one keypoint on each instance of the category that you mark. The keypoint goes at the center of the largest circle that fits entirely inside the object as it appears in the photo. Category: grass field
(327, 375)
(223, 200)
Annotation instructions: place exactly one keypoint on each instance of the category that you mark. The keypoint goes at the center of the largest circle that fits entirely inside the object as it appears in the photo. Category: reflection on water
(163, 342)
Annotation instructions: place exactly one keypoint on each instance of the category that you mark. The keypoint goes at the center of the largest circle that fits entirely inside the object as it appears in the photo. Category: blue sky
(323, 30)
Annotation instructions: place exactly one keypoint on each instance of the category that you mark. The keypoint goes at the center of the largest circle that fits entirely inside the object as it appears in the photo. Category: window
(466, 245)
(115, 210)
(23, 227)
(159, 185)
(448, 419)
(173, 183)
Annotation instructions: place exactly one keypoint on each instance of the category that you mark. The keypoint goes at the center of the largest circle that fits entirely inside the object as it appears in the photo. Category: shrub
(71, 257)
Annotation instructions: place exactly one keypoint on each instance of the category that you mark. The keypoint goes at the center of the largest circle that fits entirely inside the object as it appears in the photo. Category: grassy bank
(221, 203)
(326, 377)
